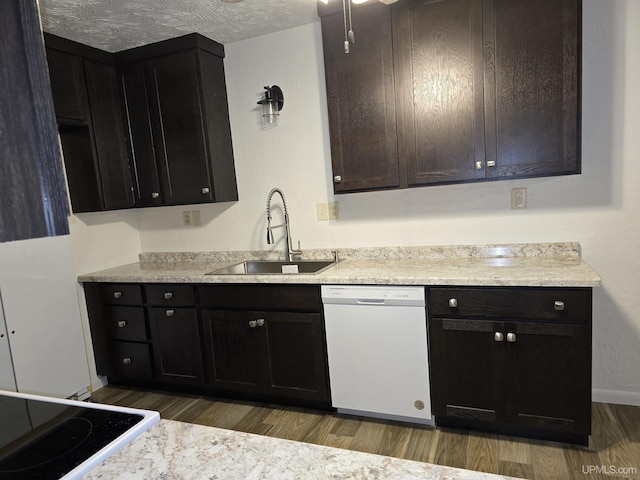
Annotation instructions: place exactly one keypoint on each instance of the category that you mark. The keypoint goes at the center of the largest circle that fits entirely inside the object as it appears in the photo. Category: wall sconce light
(271, 104)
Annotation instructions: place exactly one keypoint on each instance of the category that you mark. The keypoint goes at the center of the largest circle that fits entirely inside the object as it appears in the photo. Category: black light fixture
(271, 104)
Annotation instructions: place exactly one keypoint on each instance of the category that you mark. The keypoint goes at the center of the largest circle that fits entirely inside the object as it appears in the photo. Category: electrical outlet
(518, 198)
(195, 218)
(322, 210)
(186, 218)
(333, 211)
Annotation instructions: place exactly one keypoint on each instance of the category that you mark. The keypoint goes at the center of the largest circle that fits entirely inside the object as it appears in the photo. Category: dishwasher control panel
(381, 295)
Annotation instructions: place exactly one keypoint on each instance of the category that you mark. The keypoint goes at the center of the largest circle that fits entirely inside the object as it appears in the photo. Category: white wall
(600, 208)
(98, 241)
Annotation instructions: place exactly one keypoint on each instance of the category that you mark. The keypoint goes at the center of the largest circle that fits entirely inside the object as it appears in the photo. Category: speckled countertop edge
(179, 450)
(549, 264)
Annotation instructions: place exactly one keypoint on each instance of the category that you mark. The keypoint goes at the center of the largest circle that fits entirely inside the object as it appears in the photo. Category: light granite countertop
(539, 264)
(176, 450)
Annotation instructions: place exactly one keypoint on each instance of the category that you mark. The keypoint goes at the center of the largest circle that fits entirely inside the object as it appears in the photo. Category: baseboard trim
(616, 396)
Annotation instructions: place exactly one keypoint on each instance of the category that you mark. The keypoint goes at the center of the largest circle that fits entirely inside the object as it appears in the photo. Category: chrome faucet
(290, 253)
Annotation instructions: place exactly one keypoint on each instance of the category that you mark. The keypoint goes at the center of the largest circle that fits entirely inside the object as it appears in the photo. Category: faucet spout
(290, 253)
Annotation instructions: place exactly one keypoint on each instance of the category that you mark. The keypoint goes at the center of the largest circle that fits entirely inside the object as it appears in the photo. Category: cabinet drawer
(170, 294)
(121, 294)
(565, 304)
(131, 360)
(126, 323)
(262, 297)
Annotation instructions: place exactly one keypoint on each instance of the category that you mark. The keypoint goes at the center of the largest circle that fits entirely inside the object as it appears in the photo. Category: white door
(42, 315)
(7, 378)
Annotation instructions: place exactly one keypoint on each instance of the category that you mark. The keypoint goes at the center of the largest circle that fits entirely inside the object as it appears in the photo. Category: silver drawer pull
(155, 195)
(205, 190)
(122, 323)
(253, 323)
(117, 294)
(558, 305)
(511, 337)
(260, 322)
(170, 313)
(337, 179)
(168, 295)
(453, 302)
(498, 337)
(126, 360)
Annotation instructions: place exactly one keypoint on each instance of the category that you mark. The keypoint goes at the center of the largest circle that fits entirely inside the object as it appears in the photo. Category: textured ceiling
(114, 25)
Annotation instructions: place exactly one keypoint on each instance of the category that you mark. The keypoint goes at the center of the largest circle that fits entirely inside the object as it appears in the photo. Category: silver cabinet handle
(511, 337)
(558, 305)
(260, 322)
(170, 313)
(155, 195)
(122, 323)
(491, 163)
(498, 337)
(337, 179)
(117, 294)
(168, 295)
(453, 302)
(126, 360)
(205, 190)
(253, 323)
(478, 165)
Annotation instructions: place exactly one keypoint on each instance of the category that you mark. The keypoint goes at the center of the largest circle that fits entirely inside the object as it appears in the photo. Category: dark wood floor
(613, 454)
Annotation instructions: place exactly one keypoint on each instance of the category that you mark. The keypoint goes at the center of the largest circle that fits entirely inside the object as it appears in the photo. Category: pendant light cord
(346, 35)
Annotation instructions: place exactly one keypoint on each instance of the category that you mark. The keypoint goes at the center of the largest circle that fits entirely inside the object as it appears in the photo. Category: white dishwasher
(377, 350)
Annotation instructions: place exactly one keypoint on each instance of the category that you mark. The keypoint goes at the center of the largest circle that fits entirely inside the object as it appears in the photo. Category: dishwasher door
(377, 351)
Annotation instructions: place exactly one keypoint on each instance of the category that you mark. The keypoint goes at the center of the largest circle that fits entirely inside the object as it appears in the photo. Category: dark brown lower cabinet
(176, 345)
(263, 342)
(528, 376)
(278, 354)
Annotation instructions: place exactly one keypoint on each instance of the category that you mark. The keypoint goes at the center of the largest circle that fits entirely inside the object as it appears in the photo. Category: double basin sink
(275, 267)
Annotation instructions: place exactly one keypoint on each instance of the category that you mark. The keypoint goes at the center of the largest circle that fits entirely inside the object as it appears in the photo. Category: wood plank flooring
(613, 454)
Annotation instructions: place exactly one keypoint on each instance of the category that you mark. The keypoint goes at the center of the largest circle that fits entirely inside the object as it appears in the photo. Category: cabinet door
(68, 85)
(549, 371)
(232, 346)
(532, 87)
(146, 183)
(109, 137)
(439, 86)
(175, 339)
(178, 120)
(467, 378)
(296, 356)
(361, 100)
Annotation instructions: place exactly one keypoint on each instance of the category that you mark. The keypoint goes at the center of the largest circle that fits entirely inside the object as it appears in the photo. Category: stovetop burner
(42, 440)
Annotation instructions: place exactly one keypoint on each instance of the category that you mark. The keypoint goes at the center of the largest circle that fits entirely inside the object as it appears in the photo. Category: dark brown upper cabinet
(482, 90)
(533, 85)
(143, 127)
(89, 118)
(177, 118)
(438, 54)
(361, 99)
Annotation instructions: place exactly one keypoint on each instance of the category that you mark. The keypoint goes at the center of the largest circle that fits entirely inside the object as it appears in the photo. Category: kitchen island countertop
(176, 450)
(533, 265)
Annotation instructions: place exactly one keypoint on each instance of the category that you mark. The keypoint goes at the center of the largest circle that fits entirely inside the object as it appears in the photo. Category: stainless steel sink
(274, 267)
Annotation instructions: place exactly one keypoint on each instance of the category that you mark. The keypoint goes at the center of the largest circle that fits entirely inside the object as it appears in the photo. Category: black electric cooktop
(44, 439)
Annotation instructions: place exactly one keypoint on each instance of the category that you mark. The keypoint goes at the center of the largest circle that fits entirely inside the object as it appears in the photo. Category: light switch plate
(518, 198)
(195, 218)
(186, 218)
(334, 213)
(322, 210)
